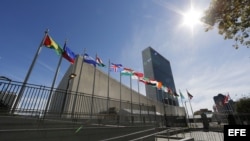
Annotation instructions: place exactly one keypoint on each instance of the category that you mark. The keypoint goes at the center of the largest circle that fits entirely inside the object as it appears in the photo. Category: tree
(232, 18)
(242, 105)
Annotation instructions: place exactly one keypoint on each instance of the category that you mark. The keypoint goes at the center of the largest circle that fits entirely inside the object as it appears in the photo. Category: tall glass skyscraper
(158, 68)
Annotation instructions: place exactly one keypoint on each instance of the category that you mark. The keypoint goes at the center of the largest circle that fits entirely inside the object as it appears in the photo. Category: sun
(191, 18)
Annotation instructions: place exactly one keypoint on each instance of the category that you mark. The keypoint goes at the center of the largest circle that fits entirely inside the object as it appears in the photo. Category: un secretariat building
(93, 93)
(157, 67)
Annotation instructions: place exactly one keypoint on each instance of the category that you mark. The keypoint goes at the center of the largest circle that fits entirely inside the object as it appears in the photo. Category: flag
(164, 88)
(88, 59)
(175, 94)
(169, 91)
(127, 71)
(99, 62)
(116, 67)
(155, 83)
(189, 95)
(69, 55)
(182, 97)
(225, 100)
(50, 43)
(152, 83)
(137, 75)
(144, 80)
(159, 85)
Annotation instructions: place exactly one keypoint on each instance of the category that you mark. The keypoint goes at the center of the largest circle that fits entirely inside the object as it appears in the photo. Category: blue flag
(69, 55)
(88, 59)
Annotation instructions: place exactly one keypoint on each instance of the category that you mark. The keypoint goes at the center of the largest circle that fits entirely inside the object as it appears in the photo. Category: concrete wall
(83, 84)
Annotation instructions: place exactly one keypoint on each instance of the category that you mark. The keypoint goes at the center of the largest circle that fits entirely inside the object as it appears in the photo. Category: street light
(71, 76)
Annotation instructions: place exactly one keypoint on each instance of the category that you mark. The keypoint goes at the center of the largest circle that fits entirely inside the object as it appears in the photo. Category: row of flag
(65, 52)
(69, 55)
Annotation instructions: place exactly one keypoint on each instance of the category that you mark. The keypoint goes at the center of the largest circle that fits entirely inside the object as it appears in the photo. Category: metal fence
(46, 102)
(43, 102)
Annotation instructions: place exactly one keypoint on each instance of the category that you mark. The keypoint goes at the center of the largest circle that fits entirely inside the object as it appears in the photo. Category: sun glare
(191, 18)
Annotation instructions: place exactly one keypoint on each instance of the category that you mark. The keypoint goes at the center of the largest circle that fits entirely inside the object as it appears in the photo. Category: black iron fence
(41, 102)
(45, 102)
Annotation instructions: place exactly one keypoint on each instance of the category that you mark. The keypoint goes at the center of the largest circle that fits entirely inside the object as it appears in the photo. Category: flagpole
(108, 87)
(191, 107)
(139, 97)
(186, 112)
(231, 107)
(79, 78)
(172, 103)
(20, 94)
(172, 98)
(184, 106)
(65, 95)
(181, 97)
(75, 97)
(74, 102)
(175, 97)
(53, 83)
(120, 91)
(168, 99)
(164, 110)
(93, 91)
(131, 100)
(157, 97)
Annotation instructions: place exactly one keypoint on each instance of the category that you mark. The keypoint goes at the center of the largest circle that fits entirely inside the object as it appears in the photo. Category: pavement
(196, 135)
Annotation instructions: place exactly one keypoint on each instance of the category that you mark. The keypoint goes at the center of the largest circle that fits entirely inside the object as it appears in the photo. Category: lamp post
(187, 117)
(164, 112)
(71, 76)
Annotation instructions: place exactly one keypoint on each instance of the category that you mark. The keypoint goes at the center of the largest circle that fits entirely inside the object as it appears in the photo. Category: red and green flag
(127, 71)
(137, 75)
(50, 43)
(99, 62)
(144, 80)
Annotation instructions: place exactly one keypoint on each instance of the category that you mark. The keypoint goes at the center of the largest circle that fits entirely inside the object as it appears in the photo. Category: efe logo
(236, 132)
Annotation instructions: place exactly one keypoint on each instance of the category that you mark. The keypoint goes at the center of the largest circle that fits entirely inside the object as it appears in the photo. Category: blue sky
(202, 62)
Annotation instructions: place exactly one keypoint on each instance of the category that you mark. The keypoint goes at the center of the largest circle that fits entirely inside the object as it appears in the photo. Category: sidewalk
(197, 135)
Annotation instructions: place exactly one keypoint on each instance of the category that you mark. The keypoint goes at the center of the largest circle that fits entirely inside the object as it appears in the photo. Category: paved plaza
(196, 135)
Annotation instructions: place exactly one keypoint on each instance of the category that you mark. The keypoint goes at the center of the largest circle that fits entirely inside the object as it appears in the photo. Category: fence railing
(75, 106)
(46, 102)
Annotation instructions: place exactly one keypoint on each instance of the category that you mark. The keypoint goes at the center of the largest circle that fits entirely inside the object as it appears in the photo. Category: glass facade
(158, 68)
